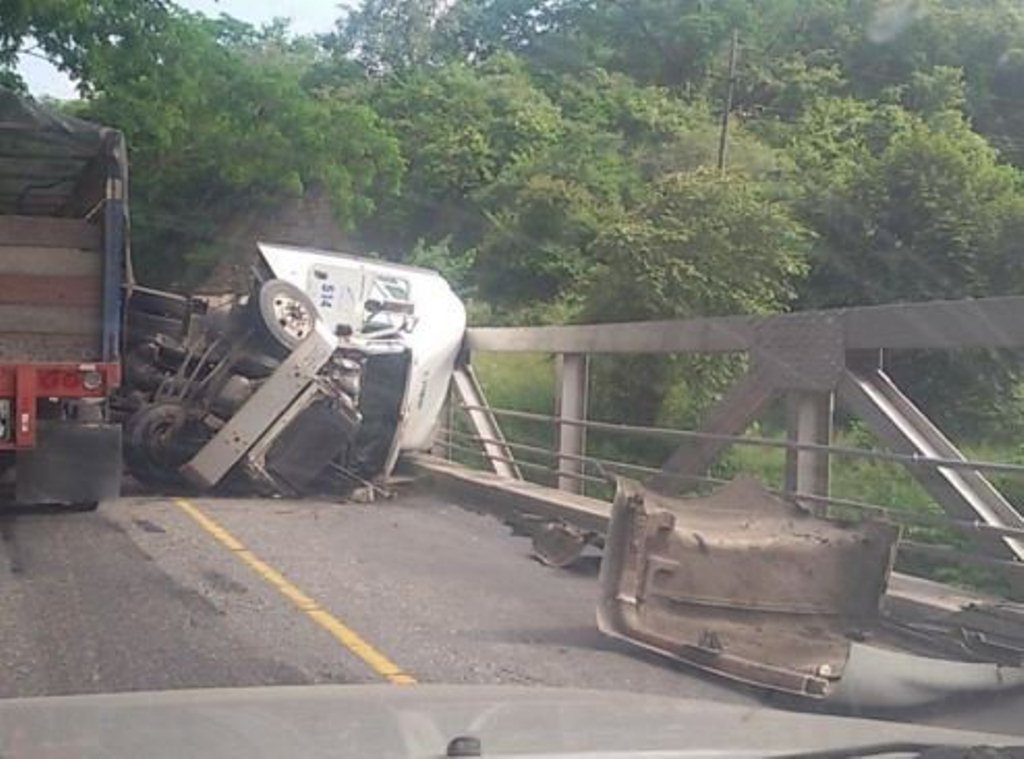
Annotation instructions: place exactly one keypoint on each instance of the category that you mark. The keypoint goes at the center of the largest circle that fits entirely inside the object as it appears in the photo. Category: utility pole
(724, 137)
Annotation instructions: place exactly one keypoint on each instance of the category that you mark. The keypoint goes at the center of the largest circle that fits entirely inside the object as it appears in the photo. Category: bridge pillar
(808, 420)
(573, 373)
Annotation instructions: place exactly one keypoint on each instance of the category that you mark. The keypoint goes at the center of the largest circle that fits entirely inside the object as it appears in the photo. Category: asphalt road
(155, 594)
(140, 596)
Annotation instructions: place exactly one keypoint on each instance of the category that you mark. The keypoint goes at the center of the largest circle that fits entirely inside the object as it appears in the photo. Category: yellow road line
(348, 637)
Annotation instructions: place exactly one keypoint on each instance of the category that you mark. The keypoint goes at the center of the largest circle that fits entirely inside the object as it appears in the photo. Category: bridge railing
(813, 362)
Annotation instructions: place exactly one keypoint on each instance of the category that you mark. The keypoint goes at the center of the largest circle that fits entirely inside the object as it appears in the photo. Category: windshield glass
(660, 347)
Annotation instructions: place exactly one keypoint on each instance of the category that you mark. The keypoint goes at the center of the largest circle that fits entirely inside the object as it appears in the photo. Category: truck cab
(313, 380)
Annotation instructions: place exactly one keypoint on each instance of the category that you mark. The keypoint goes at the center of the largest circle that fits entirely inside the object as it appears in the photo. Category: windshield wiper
(910, 748)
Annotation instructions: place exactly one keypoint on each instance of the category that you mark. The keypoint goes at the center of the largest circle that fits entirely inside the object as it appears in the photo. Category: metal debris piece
(742, 583)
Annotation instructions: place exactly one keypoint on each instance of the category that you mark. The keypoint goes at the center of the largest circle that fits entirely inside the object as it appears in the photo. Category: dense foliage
(558, 158)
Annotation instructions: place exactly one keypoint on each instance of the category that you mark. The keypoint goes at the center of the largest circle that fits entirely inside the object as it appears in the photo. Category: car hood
(378, 720)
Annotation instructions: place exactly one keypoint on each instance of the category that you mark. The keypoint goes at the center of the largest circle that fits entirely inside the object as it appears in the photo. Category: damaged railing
(814, 362)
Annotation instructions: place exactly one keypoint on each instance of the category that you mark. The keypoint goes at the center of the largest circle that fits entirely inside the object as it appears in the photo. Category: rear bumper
(23, 385)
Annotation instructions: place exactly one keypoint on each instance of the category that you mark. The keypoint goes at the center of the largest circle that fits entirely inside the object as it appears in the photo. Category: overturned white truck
(313, 381)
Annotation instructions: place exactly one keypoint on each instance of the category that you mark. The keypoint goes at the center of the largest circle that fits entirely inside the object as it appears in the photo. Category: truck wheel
(149, 444)
(284, 314)
(255, 365)
(159, 303)
(144, 326)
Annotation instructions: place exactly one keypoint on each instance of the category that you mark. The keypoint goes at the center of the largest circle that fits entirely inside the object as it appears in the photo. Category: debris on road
(313, 381)
(753, 587)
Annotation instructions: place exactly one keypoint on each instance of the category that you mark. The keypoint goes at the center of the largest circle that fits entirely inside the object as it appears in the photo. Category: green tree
(551, 155)
(618, 139)
(474, 30)
(389, 36)
(217, 116)
(224, 125)
(908, 208)
(915, 50)
(905, 208)
(76, 35)
(702, 244)
(535, 246)
(673, 43)
(459, 128)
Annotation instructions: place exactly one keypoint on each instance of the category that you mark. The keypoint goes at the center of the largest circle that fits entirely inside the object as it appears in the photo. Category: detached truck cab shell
(63, 254)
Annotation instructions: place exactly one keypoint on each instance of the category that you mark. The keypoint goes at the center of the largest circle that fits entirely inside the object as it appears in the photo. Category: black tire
(254, 365)
(284, 316)
(158, 303)
(148, 444)
(143, 327)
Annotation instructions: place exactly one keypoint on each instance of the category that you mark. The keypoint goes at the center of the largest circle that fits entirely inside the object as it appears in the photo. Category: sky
(307, 16)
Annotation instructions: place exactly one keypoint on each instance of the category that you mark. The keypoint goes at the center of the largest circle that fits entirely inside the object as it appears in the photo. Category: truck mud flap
(743, 584)
(72, 463)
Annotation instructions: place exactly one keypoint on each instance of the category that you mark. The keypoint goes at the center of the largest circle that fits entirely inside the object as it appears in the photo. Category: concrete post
(808, 420)
(572, 377)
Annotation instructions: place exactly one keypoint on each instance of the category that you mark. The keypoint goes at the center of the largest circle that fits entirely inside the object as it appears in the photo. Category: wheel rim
(161, 432)
(151, 440)
(292, 316)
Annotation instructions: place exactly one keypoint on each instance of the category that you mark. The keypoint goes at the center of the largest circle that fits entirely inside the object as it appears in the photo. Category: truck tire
(253, 365)
(144, 326)
(284, 316)
(159, 303)
(148, 444)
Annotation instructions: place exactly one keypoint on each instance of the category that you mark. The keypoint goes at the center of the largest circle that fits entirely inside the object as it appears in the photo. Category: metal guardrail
(608, 467)
(911, 459)
(1013, 570)
(936, 325)
(811, 360)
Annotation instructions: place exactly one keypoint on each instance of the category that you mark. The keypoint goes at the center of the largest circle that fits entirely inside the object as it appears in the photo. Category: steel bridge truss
(814, 362)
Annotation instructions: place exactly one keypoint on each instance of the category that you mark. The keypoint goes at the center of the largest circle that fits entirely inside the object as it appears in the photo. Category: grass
(526, 382)
(523, 382)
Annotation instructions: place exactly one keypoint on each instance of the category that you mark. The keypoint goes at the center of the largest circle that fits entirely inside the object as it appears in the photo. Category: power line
(724, 137)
